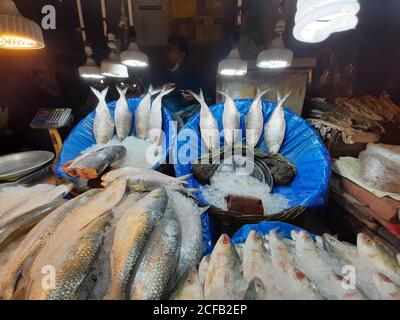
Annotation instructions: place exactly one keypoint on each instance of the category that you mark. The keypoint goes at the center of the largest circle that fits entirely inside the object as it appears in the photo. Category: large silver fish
(256, 290)
(230, 120)
(225, 274)
(21, 257)
(123, 116)
(72, 263)
(189, 216)
(317, 267)
(129, 172)
(142, 116)
(130, 237)
(155, 120)
(208, 124)
(98, 205)
(387, 288)
(275, 128)
(103, 126)
(91, 165)
(255, 121)
(158, 261)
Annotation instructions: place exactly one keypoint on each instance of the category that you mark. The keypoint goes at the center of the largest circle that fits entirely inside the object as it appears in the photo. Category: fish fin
(185, 177)
(96, 92)
(202, 95)
(104, 93)
(104, 214)
(164, 92)
(281, 100)
(122, 92)
(198, 97)
(263, 93)
(153, 91)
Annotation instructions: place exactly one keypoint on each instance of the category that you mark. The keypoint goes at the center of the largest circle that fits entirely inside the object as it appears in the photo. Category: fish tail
(122, 92)
(153, 91)
(281, 100)
(261, 94)
(199, 98)
(100, 95)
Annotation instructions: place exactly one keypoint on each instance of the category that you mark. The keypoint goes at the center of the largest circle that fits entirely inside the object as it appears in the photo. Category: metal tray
(18, 165)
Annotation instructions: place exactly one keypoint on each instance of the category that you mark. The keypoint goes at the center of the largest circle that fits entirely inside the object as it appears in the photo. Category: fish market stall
(199, 150)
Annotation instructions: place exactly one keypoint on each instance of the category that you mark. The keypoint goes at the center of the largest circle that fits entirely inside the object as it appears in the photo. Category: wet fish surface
(123, 116)
(103, 126)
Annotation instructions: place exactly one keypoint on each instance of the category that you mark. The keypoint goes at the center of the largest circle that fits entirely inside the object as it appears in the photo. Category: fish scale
(158, 261)
(34, 241)
(142, 117)
(103, 126)
(73, 263)
(131, 235)
(230, 120)
(123, 116)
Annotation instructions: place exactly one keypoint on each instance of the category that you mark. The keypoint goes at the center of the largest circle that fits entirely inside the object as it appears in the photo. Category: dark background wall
(365, 60)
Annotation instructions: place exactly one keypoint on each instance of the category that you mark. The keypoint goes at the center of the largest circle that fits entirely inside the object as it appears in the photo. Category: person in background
(177, 74)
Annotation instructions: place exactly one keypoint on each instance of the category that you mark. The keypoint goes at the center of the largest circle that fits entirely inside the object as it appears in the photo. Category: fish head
(256, 290)
(304, 241)
(296, 274)
(366, 246)
(330, 243)
(294, 234)
(254, 241)
(224, 250)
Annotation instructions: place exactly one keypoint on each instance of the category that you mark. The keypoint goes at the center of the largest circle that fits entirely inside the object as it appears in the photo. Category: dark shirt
(184, 79)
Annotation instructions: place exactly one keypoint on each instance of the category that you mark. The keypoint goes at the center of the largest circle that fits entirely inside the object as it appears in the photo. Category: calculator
(52, 118)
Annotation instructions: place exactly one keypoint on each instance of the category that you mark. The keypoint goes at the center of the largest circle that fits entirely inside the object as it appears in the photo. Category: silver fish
(21, 258)
(255, 121)
(155, 120)
(72, 263)
(131, 234)
(208, 124)
(123, 116)
(129, 172)
(103, 126)
(318, 268)
(275, 128)
(230, 120)
(158, 261)
(225, 274)
(189, 216)
(142, 116)
(91, 165)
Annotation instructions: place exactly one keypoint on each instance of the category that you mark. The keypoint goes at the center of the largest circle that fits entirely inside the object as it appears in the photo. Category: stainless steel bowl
(18, 165)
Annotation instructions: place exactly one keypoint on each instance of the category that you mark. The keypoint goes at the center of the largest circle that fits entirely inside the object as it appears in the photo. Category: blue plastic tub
(82, 138)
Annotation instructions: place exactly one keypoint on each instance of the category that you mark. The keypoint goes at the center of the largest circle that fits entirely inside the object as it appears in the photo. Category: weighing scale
(52, 120)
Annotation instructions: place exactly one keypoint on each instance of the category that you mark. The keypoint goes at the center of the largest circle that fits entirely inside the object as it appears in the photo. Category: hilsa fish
(103, 126)
(142, 116)
(225, 274)
(256, 290)
(275, 128)
(158, 261)
(21, 258)
(123, 116)
(73, 262)
(91, 165)
(230, 120)
(190, 287)
(131, 234)
(155, 120)
(208, 124)
(255, 121)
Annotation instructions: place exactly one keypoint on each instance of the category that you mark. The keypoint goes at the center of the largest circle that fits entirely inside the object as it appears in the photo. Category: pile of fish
(148, 117)
(273, 268)
(274, 129)
(155, 238)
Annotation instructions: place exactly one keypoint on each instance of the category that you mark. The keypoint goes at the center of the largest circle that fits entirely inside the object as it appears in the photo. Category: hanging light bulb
(233, 65)
(316, 20)
(90, 70)
(16, 31)
(277, 55)
(133, 57)
(112, 67)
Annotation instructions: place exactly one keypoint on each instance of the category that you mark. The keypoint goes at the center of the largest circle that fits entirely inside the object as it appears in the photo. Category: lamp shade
(90, 70)
(316, 20)
(112, 68)
(17, 32)
(133, 57)
(233, 65)
(276, 56)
